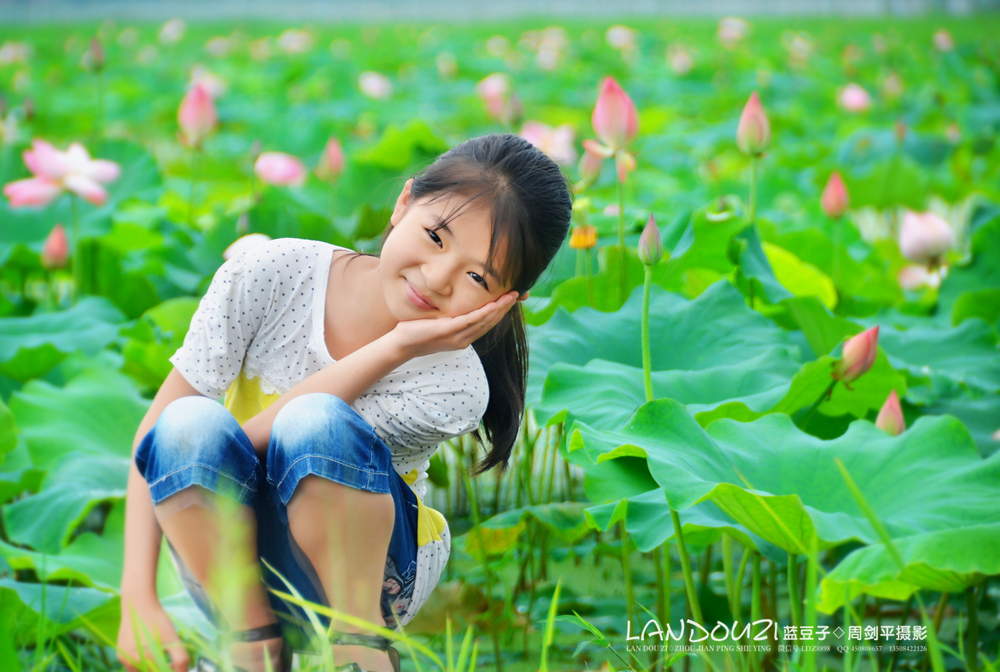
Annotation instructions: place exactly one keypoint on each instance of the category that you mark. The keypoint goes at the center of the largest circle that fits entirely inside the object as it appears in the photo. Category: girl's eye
(437, 240)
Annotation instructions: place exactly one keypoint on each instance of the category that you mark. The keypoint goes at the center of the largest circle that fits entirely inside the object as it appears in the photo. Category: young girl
(342, 372)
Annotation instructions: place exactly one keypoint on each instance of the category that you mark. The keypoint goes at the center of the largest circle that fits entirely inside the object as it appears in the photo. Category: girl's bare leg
(345, 533)
(217, 540)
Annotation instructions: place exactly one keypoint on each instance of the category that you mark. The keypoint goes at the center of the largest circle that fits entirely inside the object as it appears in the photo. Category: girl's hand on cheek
(439, 334)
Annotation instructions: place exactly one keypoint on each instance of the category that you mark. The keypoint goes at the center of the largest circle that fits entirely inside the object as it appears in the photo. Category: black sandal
(373, 641)
(269, 631)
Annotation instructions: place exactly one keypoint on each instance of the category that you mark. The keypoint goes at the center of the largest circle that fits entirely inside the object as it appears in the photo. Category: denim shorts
(198, 441)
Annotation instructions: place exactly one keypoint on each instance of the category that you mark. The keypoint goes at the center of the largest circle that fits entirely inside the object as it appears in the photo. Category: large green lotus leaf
(945, 560)
(60, 609)
(31, 346)
(822, 330)
(151, 344)
(18, 474)
(928, 479)
(715, 329)
(983, 271)
(799, 277)
(603, 393)
(867, 393)
(45, 521)
(967, 354)
(755, 267)
(96, 413)
(8, 432)
(981, 416)
(647, 519)
(91, 559)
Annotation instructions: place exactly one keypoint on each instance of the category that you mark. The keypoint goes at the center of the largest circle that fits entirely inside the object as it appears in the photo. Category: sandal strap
(269, 631)
(373, 641)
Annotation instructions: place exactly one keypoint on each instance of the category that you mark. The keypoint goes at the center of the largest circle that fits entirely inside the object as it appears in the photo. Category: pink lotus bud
(196, 116)
(615, 119)
(835, 199)
(280, 168)
(331, 163)
(650, 243)
(943, 40)
(590, 166)
(95, 55)
(899, 128)
(56, 248)
(753, 134)
(624, 164)
(375, 85)
(853, 98)
(924, 237)
(858, 355)
(890, 417)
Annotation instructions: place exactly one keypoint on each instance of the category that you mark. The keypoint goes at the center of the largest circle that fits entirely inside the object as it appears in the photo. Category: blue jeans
(198, 441)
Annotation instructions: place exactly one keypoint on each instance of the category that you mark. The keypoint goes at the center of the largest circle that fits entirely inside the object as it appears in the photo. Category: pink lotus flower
(500, 100)
(925, 237)
(620, 37)
(854, 98)
(650, 243)
(680, 60)
(172, 31)
(615, 119)
(616, 123)
(890, 417)
(247, 242)
(732, 30)
(56, 248)
(331, 162)
(54, 171)
(943, 40)
(294, 41)
(858, 355)
(557, 142)
(753, 134)
(835, 199)
(280, 168)
(197, 116)
(375, 85)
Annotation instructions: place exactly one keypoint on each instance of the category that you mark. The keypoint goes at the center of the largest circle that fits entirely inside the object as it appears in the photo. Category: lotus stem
(809, 654)
(627, 570)
(727, 569)
(794, 602)
(972, 647)
(194, 159)
(621, 238)
(647, 372)
(692, 593)
(772, 585)
(755, 606)
(590, 281)
(815, 405)
(848, 658)
(738, 584)
(77, 253)
(752, 203)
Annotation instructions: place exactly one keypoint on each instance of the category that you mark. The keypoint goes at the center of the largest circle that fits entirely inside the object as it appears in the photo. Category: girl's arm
(346, 378)
(142, 531)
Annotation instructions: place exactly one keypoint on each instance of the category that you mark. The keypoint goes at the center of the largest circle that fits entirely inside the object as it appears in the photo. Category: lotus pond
(764, 371)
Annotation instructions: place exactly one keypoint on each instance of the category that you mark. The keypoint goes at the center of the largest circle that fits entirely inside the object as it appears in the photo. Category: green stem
(809, 655)
(627, 569)
(848, 658)
(738, 584)
(100, 105)
(621, 238)
(972, 642)
(647, 370)
(794, 604)
(815, 405)
(836, 252)
(666, 602)
(194, 157)
(590, 282)
(727, 568)
(755, 606)
(752, 205)
(692, 593)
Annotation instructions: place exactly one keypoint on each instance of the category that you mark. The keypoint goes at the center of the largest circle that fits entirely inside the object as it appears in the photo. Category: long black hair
(531, 207)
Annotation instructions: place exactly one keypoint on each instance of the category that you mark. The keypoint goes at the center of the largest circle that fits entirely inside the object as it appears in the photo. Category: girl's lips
(415, 299)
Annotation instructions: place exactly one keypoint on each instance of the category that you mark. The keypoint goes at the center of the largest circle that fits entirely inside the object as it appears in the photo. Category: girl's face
(444, 266)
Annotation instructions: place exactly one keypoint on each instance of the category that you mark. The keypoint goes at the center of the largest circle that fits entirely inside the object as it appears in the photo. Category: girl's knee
(309, 415)
(194, 423)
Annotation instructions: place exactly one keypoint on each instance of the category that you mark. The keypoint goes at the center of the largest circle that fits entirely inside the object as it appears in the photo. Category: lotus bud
(890, 417)
(753, 134)
(835, 199)
(858, 356)
(56, 248)
(924, 237)
(96, 55)
(900, 130)
(331, 163)
(615, 119)
(650, 243)
(196, 115)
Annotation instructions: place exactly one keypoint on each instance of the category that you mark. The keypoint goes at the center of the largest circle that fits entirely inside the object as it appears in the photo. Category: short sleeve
(431, 405)
(225, 323)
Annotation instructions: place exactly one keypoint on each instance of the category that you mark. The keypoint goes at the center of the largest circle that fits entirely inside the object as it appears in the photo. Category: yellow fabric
(245, 399)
